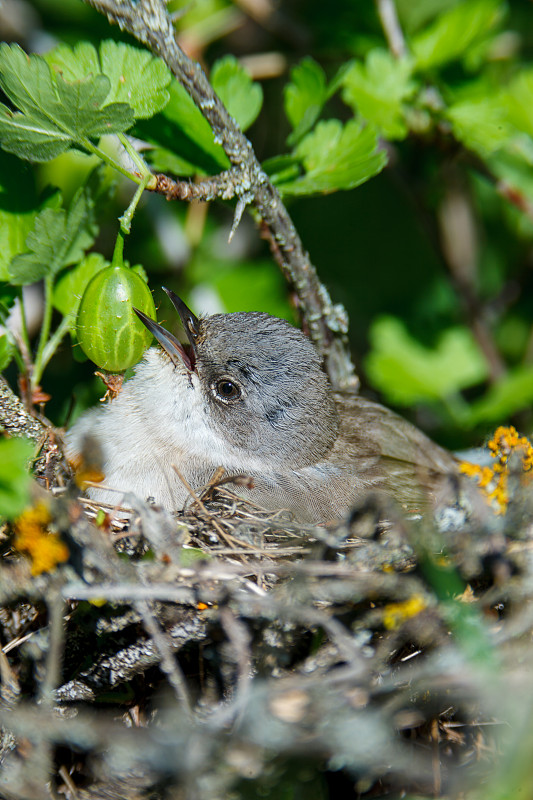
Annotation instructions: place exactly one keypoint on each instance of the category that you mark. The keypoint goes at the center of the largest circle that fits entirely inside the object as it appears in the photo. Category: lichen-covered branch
(326, 323)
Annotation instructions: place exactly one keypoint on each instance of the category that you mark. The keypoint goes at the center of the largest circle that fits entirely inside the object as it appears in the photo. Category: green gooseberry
(108, 330)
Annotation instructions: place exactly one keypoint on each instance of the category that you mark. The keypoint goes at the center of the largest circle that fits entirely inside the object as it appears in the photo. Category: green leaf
(135, 76)
(53, 114)
(480, 124)
(282, 168)
(336, 156)
(377, 90)
(18, 208)
(407, 372)
(304, 97)
(8, 296)
(512, 393)
(518, 100)
(182, 129)
(6, 351)
(15, 480)
(70, 286)
(163, 160)
(242, 97)
(414, 14)
(74, 64)
(56, 240)
(455, 32)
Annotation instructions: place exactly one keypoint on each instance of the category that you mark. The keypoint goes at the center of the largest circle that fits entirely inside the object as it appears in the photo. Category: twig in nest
(228, 538)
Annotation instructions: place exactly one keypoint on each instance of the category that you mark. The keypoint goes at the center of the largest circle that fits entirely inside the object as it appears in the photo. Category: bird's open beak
(188, 320)
(169, 343)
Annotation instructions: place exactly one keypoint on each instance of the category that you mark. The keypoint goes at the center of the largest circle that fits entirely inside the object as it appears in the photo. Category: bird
(248, 393)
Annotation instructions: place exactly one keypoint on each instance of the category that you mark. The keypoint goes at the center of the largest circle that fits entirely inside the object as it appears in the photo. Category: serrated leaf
(52, 115)
(304, 97)
(135, 76)
(70, 287)
(6, 351)
(455, 31)
(480, 123)
(377, 90)
(336, 156)
(56, 240)
(182, 128)
(15, 480)
(233, 84)
(74, 64)
(512, 393)
(407, 372)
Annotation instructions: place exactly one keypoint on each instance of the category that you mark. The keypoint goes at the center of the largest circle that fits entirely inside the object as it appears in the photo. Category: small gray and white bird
(249, 394)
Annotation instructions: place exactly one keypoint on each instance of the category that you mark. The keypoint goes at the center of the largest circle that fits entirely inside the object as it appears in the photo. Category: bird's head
(257, 385)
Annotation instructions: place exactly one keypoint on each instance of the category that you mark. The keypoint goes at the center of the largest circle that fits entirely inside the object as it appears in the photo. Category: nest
(228, 651)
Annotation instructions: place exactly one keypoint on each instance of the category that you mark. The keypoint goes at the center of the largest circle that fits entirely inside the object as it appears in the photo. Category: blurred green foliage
(404, 150)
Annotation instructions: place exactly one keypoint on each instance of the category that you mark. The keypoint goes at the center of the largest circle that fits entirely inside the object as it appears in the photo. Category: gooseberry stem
(118, 252)
(125, 219)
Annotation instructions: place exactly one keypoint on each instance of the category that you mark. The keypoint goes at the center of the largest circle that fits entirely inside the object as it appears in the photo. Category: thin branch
(391, 27)
(224, 186)
(168, 661)
(149, 22)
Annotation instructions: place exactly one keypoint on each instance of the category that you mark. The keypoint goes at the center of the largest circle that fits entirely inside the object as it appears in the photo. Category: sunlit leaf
(455, 31)
(304, 97)
(53, 114)
(512, 393)
(377, 89)
(181, 128)
(480, 123)
(242, 97)
(518, 99)
(135, 76)
(15, 480)
(6, 351)
(336, 156)
(408, 372)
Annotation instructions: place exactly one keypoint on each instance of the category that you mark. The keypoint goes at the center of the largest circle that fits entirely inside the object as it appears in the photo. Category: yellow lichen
(44, 549)
(394, 614)
(494, 480)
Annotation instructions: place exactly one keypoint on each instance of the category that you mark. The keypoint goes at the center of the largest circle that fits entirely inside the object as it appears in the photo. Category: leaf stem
(137, 159)
(125, 219)
(45, 332)
(66, 324)
(111, 161)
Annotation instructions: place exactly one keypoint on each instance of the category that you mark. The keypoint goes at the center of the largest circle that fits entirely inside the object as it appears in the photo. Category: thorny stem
(326, 323)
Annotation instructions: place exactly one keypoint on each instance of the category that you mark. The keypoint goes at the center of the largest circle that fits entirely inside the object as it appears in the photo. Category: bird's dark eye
(227, 390)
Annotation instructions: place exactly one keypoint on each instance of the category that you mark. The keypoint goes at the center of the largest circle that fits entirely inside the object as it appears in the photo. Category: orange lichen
(396, 613)
(494, 480)
(45, 549)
